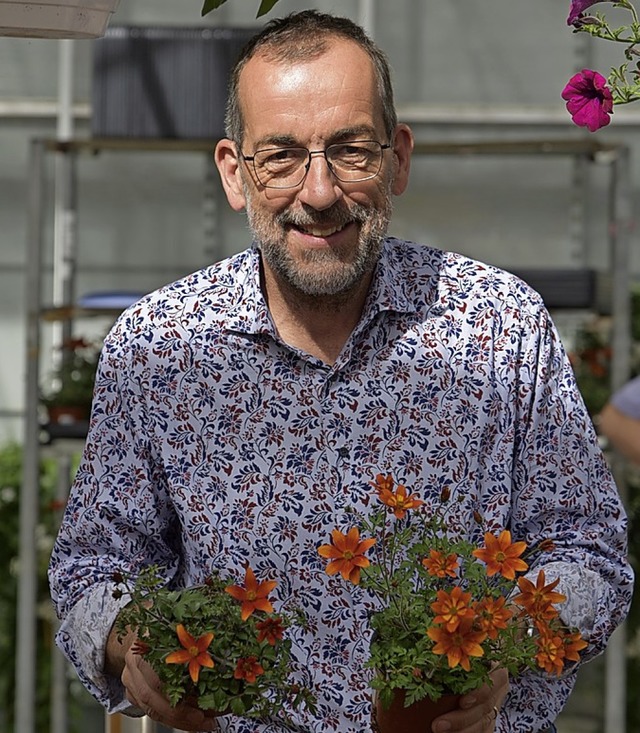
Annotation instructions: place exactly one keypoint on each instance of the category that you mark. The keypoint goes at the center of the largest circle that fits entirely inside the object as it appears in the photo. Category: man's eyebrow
(277, 141)
(361, 132)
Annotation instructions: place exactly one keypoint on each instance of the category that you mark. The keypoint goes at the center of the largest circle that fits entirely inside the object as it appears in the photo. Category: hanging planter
(56, 18)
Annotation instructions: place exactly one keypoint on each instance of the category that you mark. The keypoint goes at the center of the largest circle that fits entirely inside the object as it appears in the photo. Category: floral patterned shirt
(213, 443)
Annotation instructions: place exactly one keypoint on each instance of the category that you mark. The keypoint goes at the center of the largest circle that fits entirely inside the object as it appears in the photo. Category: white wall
(140, 214)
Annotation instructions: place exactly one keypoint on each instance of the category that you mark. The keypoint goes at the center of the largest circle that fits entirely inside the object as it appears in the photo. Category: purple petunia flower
(589, 99)
(578, 7)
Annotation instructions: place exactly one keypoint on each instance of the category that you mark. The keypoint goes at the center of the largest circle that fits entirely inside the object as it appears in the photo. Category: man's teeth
(322, 231)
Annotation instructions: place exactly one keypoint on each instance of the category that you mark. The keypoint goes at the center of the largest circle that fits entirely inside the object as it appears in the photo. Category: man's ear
(228, 164)
(402, 147)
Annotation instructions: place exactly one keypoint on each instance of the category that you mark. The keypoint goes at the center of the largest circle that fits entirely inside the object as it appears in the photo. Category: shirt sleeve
(565, 492)
(118, 518)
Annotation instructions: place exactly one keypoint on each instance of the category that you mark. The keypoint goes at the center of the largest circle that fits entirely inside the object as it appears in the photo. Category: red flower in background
(589, 99)
(248, 669)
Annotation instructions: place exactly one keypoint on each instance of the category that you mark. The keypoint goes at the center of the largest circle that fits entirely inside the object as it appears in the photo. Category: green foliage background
(11, 461)
(10, 483)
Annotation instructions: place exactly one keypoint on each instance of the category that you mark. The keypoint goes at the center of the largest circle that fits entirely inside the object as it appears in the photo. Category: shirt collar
(393, 288)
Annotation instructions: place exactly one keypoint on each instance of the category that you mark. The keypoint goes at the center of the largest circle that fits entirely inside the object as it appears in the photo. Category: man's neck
(318, 325)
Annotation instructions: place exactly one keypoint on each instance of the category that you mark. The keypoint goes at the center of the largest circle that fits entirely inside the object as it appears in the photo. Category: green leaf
(210, 5)
(265, 7)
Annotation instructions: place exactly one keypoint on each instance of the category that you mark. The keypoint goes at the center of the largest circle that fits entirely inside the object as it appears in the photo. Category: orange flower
(537, 600)
(452, 608)
(501, 555)
(399, 500)
(248, 669)
(493, 615)
(440, 565)
(346, 554)
(253, 595)
(270, 629)
(194, 652)
(551, 652)
(547, 545)
(573, 643)
(458, 645)
(382, 483)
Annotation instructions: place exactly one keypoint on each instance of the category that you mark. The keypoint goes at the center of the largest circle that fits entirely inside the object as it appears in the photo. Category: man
(238, 412)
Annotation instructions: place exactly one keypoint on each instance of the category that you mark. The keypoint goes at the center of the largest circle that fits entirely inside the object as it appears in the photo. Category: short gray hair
(300, 37)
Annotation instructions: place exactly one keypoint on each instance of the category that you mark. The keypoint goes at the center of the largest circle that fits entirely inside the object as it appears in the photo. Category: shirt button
(343, 452)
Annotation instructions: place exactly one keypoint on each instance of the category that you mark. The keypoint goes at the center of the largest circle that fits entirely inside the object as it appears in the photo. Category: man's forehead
(337, 54)
(340, 82)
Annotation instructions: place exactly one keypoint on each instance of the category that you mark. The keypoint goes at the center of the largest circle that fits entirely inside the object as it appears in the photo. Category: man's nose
(320, 188)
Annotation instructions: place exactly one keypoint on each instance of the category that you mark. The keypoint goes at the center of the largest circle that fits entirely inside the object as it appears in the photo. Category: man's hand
(144, 690)
(478, 710)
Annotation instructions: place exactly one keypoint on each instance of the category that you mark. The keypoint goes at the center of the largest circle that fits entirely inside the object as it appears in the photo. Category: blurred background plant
(11, 457)
(69, 396)
(591, 356)
(591, 359)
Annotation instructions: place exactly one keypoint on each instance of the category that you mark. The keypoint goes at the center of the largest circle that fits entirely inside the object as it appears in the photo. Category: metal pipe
(620, 221)
(473, 115)
(25, 109)
(59, 687)
(366, 16)
(25, 700)
(65, 89)
(64, 215)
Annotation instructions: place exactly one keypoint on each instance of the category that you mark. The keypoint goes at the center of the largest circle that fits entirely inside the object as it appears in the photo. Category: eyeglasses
(350, 162)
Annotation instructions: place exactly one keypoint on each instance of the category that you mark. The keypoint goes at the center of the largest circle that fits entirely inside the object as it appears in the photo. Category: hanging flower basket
(56, 18)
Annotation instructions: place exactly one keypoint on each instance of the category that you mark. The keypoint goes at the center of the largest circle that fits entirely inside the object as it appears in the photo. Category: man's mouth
(317, 231)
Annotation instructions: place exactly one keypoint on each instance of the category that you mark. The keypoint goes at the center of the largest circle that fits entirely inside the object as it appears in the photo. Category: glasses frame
(307, 165)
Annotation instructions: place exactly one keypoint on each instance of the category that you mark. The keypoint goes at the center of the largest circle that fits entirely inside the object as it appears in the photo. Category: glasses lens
(355, 161)
(280, 167)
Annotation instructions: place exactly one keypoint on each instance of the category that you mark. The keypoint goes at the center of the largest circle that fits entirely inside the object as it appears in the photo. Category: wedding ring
(495, 710)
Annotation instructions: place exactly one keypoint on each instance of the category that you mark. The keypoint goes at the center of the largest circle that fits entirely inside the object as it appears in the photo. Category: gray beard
(325, 279)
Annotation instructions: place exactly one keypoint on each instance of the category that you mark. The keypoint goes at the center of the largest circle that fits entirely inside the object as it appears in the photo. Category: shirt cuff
(82, 638)
(582, 587)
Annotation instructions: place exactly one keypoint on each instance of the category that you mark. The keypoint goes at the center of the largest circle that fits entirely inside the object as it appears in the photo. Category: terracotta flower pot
(416, 718)
(67, 414)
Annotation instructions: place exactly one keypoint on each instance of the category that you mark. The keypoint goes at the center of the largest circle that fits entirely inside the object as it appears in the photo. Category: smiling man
(241, 412)
(316, 179)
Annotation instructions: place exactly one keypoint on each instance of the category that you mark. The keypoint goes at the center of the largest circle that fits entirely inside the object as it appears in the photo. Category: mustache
(337, 215)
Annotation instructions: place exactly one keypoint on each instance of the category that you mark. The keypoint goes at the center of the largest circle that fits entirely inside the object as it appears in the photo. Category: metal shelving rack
(616, 157)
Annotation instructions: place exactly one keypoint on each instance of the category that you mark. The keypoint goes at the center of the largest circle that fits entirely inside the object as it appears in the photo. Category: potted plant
(69, 398)
(221, 644)
(447, 612)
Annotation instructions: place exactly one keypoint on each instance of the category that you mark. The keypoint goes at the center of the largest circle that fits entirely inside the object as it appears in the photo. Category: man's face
(323, 237)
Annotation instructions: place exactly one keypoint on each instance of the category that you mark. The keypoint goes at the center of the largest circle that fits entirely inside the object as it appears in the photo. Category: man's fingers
(144, 690)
